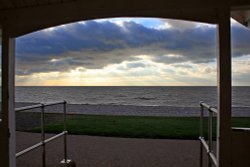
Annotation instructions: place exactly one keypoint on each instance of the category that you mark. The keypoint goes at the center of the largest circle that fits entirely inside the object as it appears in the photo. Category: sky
(128, 52)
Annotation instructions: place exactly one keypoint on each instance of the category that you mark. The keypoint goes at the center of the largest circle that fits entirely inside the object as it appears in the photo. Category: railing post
(201, 134)
(65, 129)
(210, 135)
(208, 147)
(43, 136)
(65, 162)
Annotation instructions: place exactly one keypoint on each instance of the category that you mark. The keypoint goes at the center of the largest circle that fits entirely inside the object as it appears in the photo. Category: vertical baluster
(201, 134)
(210, 136)
(43, 137)
(65, 129)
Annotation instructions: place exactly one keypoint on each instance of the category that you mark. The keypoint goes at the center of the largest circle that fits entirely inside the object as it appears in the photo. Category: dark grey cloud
(241, 41)
(135, 65)
(183, 66)
(94, 45)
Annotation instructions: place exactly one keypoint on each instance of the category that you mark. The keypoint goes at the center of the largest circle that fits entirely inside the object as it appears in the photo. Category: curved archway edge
(21, 21)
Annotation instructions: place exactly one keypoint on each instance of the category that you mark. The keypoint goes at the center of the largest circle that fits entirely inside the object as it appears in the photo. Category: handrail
(28, 107)
(241, 129)
(210, 108)
(28, 149)
(55, 137)
(44, 141)
(54, 103)
(38, 106)
(203, 144)
(40, 144)
(210, 154)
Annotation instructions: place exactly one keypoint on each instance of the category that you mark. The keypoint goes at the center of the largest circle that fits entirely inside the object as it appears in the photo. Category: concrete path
(90, 151)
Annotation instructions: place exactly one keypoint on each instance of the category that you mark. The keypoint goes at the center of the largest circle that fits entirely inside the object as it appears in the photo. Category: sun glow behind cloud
(141, 72)
(127, 51)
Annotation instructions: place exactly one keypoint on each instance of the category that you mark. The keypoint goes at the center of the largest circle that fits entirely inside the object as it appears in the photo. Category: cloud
(241, 40)
(98, 44)
(135, 65)
(181, 25)
(153, 73)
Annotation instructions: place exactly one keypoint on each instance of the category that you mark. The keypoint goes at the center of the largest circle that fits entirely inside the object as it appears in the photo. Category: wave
(146, 98)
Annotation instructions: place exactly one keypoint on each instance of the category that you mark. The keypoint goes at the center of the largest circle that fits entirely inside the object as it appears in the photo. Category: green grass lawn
(135, 126)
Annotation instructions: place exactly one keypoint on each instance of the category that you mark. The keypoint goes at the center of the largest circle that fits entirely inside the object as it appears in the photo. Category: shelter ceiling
(25, 16)
(17, 4)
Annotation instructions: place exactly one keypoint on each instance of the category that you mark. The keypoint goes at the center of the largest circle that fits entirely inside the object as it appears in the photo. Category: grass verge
(135, 126)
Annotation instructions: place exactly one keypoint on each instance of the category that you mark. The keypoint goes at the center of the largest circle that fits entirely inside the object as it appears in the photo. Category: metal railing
(203, 144)
(240, 129)
(44, 141)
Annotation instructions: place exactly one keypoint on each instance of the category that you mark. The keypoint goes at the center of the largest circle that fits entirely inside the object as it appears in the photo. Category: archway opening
(144, 71)
(137, 66)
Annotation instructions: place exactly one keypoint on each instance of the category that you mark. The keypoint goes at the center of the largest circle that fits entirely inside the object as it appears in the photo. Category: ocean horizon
(177, 96)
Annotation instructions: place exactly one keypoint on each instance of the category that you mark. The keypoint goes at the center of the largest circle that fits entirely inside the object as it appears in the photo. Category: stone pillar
(224, 87)
(7, 128)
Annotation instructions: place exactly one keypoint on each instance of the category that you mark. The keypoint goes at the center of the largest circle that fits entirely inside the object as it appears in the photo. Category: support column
(224, 88)
(7, 128)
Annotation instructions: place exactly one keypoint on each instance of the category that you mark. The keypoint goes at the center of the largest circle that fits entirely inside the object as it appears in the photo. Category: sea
(178, 96)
